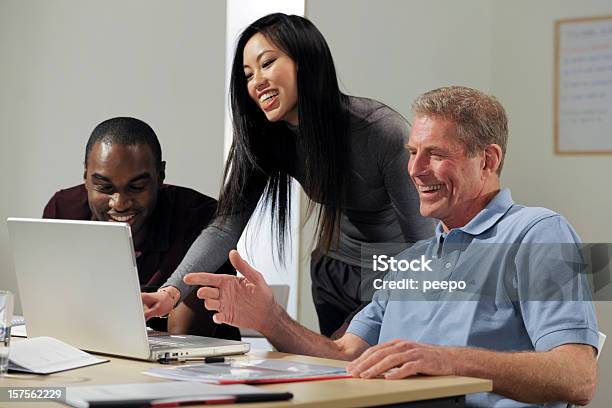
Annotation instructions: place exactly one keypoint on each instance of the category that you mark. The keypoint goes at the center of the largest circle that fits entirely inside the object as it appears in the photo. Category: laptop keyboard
(156, 343)
(161, 340)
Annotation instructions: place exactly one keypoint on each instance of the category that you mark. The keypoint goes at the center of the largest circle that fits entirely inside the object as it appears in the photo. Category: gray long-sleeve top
(382, 205)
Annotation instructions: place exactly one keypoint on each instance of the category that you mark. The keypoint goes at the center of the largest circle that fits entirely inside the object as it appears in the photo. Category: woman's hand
(159, 303)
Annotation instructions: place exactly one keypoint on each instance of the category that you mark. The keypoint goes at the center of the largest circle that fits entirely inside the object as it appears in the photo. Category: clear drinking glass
(6, 318)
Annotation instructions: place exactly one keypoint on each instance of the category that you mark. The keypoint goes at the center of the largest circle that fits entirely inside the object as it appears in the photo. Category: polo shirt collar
(486, 218)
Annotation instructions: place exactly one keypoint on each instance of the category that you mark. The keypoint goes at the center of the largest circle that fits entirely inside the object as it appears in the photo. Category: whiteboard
(583, 86)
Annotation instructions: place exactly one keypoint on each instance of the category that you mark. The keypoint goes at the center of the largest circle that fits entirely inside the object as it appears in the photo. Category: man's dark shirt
(179, 216)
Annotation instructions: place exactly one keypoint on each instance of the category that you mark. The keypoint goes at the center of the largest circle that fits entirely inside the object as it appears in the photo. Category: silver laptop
(78, 282)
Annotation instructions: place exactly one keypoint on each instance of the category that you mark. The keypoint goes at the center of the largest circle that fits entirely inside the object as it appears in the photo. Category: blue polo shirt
(509, 257)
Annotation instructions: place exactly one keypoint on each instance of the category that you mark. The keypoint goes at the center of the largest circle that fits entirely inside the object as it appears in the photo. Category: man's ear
(84, 172)
(493, 158)
(161, 173)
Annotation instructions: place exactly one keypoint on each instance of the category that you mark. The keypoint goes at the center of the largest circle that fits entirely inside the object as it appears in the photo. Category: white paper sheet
(248, 371)
(81, 396)
(46, 355)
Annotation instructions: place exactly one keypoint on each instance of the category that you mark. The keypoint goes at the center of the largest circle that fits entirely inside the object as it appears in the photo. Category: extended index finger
(205, 279)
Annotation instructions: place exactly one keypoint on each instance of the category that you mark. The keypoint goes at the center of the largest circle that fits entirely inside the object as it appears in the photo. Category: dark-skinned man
(124, 182)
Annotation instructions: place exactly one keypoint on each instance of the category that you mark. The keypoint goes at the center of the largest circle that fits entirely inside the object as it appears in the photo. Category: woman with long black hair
(292, 121)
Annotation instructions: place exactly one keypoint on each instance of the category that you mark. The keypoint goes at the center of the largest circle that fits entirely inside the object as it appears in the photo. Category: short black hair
(125, 131)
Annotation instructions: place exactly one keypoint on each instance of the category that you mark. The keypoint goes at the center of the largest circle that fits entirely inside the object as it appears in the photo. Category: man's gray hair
(480, 118)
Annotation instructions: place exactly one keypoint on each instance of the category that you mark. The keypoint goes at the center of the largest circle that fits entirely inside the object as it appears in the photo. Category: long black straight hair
(322, 131)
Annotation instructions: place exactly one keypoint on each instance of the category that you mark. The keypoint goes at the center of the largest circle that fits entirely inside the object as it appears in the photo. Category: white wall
(393, 50)
(68, 65)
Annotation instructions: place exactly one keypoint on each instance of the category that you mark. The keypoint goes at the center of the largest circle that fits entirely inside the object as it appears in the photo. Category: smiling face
(122, 185)
(452, 186)
(271, 79)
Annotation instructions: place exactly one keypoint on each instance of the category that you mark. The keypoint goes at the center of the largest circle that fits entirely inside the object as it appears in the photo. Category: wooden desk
(331, 393)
